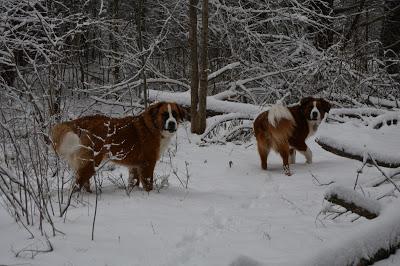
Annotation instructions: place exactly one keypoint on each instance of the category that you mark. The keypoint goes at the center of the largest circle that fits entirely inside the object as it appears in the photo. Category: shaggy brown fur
(286, 130)
(136, 142)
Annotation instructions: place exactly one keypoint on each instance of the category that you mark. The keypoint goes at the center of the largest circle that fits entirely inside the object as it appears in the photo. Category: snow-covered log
(353, 201)
(213, 104)
(381, 102)
(343, 151)
(366, 244)
(389, 119)
(359, 141)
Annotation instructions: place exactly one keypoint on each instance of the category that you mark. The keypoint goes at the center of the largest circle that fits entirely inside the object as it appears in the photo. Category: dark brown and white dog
(285, 130)
(136, 142)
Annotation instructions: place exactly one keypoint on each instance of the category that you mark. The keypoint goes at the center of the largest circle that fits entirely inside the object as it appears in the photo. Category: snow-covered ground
(233, 213)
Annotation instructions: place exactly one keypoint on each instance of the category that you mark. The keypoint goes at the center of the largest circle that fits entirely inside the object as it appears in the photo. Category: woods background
(55, 51)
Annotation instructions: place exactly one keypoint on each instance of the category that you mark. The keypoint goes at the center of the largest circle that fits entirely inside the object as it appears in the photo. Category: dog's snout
(314, 115)
(171, 126)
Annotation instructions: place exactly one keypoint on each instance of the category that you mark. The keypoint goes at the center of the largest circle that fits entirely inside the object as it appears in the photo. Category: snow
(233, 213)
(351, 196)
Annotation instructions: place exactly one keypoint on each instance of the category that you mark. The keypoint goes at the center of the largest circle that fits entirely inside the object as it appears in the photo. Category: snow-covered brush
(161, 182)
(234, 127)
(360, 116)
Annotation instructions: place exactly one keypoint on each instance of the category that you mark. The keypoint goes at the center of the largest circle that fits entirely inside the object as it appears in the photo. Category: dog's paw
(286, 170)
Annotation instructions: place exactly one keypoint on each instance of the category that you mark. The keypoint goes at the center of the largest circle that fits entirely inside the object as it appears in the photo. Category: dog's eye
(174, 114)
(165, 115)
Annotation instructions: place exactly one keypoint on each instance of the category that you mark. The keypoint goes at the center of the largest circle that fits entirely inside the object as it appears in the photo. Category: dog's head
(166, 116)
(314, 109)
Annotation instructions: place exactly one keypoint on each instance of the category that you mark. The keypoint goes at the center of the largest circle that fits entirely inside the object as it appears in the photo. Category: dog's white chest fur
(312, 127)
(164, 142)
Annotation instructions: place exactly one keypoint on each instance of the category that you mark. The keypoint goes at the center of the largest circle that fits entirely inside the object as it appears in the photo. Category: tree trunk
(201, 116)
(194, 83)
(114, 43)
(140, 27)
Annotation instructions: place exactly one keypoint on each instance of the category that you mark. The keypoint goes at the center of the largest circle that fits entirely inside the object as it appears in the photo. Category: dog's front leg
(133, 180)
(146, 175)
(308, 154)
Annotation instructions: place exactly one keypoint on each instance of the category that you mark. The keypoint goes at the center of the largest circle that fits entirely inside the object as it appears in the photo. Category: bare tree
(199, 93)
(194, 84)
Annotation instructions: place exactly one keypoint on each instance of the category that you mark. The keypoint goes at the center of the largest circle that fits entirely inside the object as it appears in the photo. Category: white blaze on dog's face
(170, 123)
(167, 116)
(314, 111)
(315, 114)
(315, 108)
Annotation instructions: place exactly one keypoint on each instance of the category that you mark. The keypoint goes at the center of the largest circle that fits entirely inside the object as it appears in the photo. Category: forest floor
(232, 213)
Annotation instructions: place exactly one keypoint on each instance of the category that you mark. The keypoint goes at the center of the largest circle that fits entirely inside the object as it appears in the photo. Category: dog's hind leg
(284, 152)
(263, 149)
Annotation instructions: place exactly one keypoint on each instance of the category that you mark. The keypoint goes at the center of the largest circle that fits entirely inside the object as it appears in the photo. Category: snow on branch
(366, 244)
(222, 70)
(353, 201)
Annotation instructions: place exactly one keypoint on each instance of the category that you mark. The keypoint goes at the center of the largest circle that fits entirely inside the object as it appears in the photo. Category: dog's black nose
(171, 126)
(314, 115)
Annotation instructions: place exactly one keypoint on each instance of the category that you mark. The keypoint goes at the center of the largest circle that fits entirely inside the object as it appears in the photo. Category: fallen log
(214, 106)
(353, 154)
(353, 201)
(366, 244)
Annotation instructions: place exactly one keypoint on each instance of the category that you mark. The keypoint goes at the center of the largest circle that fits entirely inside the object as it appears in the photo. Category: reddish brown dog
(285, 129)
(136, 142)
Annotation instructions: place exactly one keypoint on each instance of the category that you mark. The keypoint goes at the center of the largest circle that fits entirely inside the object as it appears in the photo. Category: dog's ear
(153, 109)
(153, 112)
(306, 100)
(326, 106)
(183, 114)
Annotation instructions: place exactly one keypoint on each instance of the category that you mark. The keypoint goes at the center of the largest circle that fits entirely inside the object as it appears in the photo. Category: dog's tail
(277, 113)
(65, 141)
